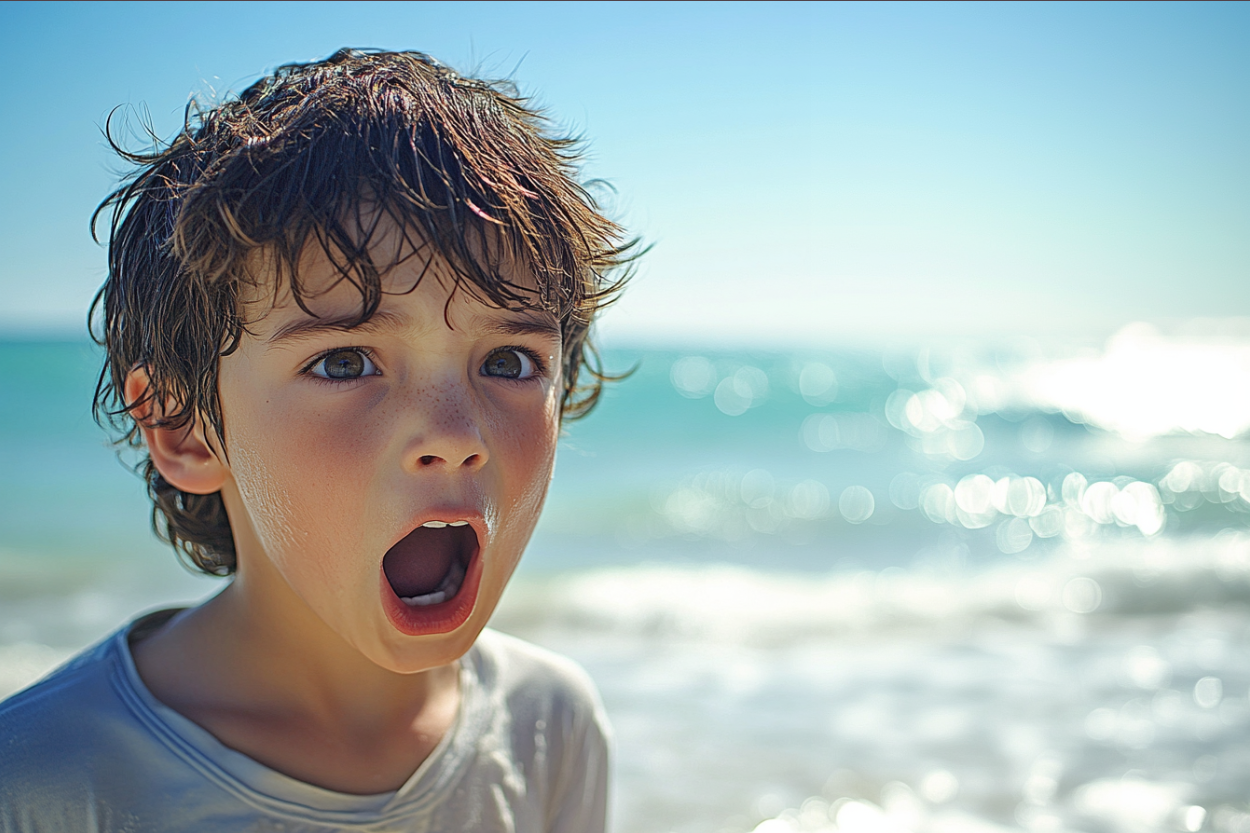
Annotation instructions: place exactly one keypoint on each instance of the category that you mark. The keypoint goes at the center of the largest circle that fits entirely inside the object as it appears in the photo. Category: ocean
(961, 587)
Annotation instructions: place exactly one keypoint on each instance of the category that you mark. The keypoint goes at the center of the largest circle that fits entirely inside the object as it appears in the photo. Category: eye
(348, 363)
(510, 363)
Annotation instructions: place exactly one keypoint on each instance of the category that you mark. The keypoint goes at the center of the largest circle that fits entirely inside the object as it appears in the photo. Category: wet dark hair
(332, 153)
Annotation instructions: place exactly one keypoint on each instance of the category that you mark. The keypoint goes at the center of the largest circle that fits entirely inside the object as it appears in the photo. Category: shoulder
(76, 694)
(48, 732)
(547, 731)
(516, 656)
(76, 735)
(61, 698)
(544, 702)
(520, 671)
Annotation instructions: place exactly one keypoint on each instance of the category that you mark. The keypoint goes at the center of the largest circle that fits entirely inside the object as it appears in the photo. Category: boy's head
(333, 191)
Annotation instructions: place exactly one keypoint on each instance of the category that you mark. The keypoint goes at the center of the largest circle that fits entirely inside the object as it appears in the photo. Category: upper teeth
(441, 524)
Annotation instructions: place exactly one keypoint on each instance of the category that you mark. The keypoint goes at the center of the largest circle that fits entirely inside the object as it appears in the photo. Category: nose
(448, 437)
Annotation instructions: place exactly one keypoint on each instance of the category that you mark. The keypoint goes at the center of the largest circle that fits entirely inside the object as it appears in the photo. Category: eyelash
(325, 380)
(540, 365)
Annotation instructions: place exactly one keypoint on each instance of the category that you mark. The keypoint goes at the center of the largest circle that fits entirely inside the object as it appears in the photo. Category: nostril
(428, 459)
(472, 460)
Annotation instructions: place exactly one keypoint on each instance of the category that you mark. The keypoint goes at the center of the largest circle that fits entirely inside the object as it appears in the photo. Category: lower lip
(444, 617)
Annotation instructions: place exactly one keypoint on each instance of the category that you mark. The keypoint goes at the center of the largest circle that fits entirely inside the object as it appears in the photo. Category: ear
(183, 455)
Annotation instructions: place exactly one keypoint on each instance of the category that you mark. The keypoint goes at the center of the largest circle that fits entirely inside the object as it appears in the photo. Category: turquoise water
(849, 590)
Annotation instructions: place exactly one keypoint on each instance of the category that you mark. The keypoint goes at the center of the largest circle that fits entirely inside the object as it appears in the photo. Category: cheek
(270, 506)
(529, 448)
(300, 476)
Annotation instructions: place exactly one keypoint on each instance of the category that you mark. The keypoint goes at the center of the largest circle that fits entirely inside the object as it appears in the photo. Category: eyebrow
(520, 326)
(383, 321)
(308, 327)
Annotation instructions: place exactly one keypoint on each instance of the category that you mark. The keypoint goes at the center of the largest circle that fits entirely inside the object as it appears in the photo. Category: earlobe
(183, 455)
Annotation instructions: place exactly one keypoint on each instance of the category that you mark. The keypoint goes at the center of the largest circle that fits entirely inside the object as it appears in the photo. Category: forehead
(326, 284)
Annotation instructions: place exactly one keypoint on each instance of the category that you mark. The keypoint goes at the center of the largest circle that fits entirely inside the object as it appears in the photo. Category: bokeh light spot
(1082, 595)
(694, 377)
(856, 504)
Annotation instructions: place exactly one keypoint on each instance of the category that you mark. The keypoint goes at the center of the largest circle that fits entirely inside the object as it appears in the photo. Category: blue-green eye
(349, 363)
(509, 363)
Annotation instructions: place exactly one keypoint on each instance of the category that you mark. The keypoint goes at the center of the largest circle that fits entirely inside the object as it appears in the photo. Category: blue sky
(807, 172)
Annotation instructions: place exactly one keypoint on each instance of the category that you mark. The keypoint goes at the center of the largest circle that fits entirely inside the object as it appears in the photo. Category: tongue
(417, 564)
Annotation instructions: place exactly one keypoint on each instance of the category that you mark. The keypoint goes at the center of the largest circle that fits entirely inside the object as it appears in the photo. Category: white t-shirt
(90, 749)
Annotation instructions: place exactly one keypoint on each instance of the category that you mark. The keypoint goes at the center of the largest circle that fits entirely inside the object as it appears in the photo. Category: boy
(345, 314)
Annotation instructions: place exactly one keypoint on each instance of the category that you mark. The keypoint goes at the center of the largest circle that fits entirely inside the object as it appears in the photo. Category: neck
(281, 687)
(279, 656)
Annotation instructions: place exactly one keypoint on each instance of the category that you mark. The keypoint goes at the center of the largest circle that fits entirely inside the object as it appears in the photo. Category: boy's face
(348, 449)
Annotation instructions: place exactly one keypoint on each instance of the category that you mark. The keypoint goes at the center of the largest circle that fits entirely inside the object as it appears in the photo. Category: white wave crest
(736, 604)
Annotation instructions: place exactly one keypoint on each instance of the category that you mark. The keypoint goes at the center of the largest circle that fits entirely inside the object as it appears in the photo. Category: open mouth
(428, 566)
